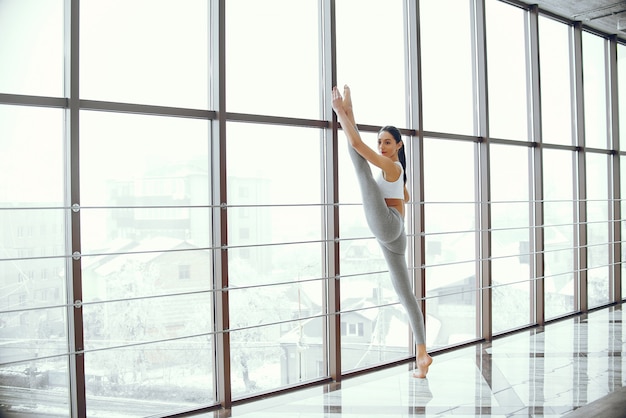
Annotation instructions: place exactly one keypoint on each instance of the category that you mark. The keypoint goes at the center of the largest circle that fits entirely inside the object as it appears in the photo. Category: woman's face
(387, 145)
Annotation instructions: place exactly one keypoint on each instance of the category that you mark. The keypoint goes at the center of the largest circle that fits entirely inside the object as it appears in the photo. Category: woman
(383, 202)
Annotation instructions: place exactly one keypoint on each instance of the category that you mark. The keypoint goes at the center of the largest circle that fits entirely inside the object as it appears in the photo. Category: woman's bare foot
(422, 363)
(347, 103)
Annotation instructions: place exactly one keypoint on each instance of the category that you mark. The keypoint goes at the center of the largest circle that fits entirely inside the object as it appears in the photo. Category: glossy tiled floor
(548, 371)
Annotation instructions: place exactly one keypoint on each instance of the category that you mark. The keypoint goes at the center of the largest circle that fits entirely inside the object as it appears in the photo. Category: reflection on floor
(548, 371)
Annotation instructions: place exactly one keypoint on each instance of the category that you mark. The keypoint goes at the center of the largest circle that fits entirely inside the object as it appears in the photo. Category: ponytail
(402, 158)
(395, 132)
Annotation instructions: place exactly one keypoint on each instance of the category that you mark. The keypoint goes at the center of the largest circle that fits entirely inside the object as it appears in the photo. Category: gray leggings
(387, 225)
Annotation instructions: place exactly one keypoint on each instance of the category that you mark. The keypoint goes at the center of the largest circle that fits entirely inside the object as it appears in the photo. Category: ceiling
(601, 15)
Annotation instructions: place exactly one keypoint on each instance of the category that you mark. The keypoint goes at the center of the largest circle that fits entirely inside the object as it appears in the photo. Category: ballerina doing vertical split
(383, 202)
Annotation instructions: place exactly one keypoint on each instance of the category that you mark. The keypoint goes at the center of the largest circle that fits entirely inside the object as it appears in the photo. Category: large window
(448, 79)
(33, 271)
(273, 57)
(31, 38)
(371, 60)
(559, 229)
(450, 242)
(556, 83)
(180, 222)
(512, 294)
(621, 68)
(507, 71)
(145, 215)
(595, 91)
(276, 277)
(621, 84)
(145, 51)
(598, 245)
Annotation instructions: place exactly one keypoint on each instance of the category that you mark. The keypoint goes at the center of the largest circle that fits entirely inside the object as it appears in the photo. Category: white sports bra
(391, 189)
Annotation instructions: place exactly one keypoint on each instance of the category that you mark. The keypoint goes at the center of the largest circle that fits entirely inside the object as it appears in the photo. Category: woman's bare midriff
(397, 204)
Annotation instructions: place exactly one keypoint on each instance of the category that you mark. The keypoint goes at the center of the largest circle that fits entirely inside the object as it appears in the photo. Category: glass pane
(621, 95)
(371, 60)
(509, 181)
(145, 51)
(439, 186)
(31, 47)
(595, 101)
(597, 229)
(507, 68)
(155, 188)
(275, 256)
(147, 261)
(138, 380)
(272, 57)
(510, 238)
(556, 90)
(447, 78)
(558, 211)
(33, 151)
(450, 227)
(33, 275)
(262, 169)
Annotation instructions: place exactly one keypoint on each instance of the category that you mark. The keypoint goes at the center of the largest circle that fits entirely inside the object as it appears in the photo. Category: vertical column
(329, 76)
(78, 403)
(615, 232)
(580, 192)
(537, 221)
(220, 213)
(483, 194)
(415, 150)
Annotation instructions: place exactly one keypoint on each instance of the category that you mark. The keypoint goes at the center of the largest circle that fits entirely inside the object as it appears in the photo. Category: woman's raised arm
(345, 114)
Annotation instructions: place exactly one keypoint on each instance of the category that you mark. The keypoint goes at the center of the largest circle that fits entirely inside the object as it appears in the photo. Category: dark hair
(395, 132)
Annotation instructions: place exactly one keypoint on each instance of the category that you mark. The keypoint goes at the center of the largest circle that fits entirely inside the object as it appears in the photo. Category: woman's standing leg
(401, 280)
